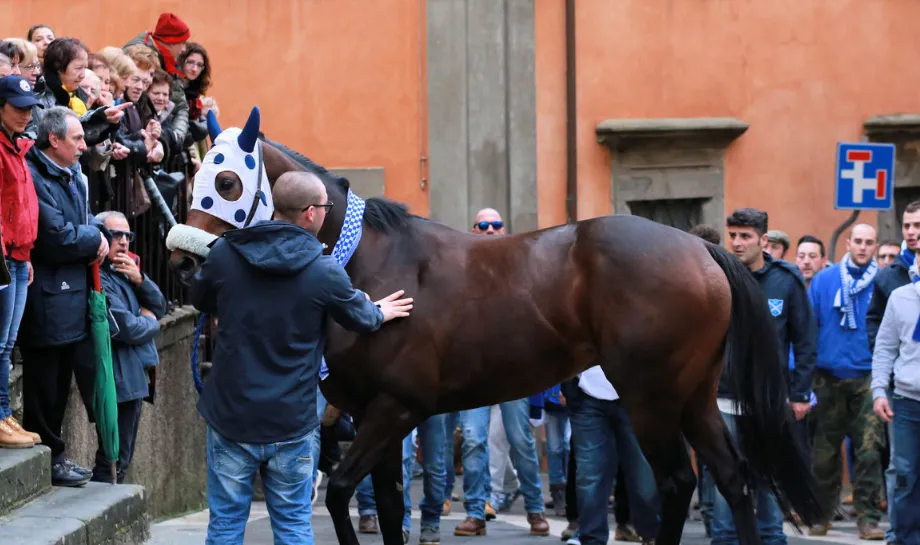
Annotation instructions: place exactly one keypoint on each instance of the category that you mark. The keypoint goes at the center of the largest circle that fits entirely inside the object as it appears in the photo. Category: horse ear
(247, 138)
(213, 126)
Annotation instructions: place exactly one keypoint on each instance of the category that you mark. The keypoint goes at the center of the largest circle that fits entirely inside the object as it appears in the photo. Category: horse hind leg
(386, 421)
(710, 437)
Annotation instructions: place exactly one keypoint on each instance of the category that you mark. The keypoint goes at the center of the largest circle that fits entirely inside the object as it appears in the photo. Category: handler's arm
(349, 307)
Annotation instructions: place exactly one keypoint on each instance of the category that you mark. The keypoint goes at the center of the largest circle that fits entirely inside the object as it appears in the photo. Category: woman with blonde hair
(30, 65)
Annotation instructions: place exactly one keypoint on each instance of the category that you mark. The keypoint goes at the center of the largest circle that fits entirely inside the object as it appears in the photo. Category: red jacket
(18, 203)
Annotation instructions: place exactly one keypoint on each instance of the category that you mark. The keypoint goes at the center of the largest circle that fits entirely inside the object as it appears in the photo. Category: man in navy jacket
(136, 305)
(784, 289)
(54, 335)
(272, 288)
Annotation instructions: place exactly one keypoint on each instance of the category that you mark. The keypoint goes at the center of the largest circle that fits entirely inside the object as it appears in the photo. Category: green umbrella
(105, 400)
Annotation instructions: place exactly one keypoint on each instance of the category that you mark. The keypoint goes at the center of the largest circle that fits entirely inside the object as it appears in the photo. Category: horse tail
(774, 452)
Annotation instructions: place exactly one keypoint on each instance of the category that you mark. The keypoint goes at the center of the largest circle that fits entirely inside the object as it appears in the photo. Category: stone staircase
(32, 512)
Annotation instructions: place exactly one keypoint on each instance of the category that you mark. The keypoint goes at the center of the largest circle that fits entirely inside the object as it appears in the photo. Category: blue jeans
(320, 411)
(450, 423)
(603, 440)
(12, 305)
(890, 482)
(558, 435)
(430, 435)
(516, 421)
(474, 424)
(286, 469)
(769, 515)
(907, 465)
(707, 491)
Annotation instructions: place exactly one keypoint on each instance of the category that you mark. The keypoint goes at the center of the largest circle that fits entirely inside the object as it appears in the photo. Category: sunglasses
(327, 206)
(122, 234)
(484, 225)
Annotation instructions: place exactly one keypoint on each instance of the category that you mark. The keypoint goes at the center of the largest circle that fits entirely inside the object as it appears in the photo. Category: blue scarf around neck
(907, 256)
(850, 287)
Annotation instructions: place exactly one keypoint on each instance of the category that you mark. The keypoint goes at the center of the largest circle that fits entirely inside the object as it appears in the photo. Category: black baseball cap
(18, 92)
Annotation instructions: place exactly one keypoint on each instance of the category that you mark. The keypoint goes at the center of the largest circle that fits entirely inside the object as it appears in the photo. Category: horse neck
(335, 218)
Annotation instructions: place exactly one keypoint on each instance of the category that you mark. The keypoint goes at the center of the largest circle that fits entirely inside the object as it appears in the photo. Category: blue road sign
(864, 176)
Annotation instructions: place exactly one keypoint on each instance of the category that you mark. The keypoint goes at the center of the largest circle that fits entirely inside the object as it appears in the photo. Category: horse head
(231, 191)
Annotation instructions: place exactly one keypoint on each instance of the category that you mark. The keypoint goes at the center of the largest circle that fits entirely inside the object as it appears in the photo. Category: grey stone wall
(170, 460)
(482, 111)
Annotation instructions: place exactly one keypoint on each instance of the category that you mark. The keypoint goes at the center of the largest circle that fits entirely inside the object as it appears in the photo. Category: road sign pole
(838, 231)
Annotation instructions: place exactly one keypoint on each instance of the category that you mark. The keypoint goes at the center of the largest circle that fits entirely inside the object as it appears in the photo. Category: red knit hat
(171, 30)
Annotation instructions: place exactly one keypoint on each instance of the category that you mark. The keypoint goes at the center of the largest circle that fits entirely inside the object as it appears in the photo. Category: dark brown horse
(500, 318)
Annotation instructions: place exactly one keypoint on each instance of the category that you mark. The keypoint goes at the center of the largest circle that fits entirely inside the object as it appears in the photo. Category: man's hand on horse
(394, 307)
(800, 409)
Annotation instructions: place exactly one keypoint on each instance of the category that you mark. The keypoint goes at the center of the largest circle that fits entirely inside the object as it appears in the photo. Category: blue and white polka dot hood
(239, 151)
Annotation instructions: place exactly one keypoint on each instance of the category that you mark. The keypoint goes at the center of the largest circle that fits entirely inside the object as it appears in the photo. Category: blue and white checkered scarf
(348, 242)
(845, 299)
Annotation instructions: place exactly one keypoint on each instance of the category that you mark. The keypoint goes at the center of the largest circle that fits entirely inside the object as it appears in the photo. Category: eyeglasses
(484, 225)
(199, 65)
(122, 234)
(34, 67)
(327, 206)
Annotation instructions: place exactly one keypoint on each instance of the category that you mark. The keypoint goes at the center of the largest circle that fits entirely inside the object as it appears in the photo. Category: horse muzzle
(190, 247)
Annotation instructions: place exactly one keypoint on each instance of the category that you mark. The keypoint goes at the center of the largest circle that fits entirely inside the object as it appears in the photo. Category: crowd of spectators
(81, 131)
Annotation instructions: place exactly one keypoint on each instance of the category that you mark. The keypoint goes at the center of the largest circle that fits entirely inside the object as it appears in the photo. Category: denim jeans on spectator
(890, 482)
(450, 424)
(907, 465)
(523, 449)
(558, 435)
(320, 411)
(707, 491)
(769, 515)
(430, 437)
(12, 304)
(474, 424)
(286, 469)
(602, 440)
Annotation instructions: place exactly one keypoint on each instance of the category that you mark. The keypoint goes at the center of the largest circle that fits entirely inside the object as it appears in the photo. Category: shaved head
(296, 196)
(488, 214)
(488, 222)
(861, 244)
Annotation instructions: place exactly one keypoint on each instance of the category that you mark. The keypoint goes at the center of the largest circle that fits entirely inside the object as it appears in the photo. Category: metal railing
(130, 197)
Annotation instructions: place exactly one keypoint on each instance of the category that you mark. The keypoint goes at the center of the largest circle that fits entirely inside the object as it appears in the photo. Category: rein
(344, 249)
(258, 195)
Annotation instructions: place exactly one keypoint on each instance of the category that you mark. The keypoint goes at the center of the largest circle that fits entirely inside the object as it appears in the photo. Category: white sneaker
(573, 541)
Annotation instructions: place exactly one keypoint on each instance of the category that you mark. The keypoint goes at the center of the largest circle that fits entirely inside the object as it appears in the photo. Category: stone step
(96, 514)
(24, 474)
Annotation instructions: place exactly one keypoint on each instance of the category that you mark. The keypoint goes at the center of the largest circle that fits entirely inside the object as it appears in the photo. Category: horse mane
(386, 216)
(382, 215)
(307, 164)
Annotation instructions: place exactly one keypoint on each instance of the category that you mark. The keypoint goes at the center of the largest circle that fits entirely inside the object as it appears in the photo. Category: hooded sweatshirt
(895, 348)
(272, 289)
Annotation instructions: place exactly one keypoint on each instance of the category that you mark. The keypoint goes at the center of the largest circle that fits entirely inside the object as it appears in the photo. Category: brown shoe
(538, 524)
(367, 524)
(10, 438)
(870, 531)
(819, 529)
(446, 510)
(490, 511)
(471, 527)
(15, 425)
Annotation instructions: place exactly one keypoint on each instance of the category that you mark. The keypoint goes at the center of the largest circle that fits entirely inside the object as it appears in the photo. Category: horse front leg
(385, 421)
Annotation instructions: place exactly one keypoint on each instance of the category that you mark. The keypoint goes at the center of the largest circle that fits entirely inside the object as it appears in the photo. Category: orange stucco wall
(337, 80)
(804, 75)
